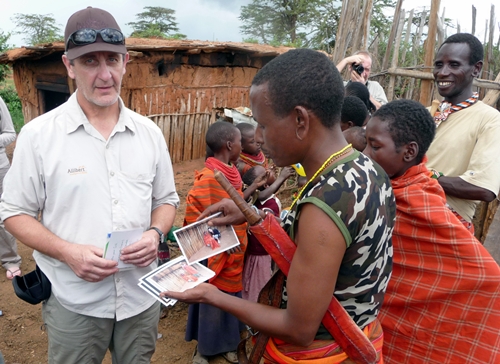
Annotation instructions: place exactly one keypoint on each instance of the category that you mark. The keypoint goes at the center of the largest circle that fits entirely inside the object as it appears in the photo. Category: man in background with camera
(360, 65)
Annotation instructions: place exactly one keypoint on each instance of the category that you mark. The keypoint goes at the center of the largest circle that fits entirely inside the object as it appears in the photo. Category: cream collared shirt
(85, 187)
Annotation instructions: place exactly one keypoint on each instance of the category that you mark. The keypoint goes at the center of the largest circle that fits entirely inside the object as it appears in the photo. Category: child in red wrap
(251, 155)
(217, 332)
(442, 304)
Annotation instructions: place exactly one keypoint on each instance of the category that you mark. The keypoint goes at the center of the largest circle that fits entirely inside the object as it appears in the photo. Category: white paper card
(118, 240)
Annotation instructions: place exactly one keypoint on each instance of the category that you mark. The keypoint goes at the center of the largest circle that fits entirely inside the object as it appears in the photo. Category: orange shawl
(228, 268)
(442, 304)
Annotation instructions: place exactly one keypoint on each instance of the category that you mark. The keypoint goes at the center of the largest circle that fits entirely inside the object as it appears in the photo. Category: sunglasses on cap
(88, 36)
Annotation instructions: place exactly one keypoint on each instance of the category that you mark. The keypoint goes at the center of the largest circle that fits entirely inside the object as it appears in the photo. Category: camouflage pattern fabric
(357, 194)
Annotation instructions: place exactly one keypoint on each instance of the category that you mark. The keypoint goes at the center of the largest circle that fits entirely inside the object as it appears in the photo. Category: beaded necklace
(330, 159)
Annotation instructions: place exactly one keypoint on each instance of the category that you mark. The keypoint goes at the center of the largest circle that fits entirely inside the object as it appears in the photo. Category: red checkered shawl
(442, 304)
(228, 267)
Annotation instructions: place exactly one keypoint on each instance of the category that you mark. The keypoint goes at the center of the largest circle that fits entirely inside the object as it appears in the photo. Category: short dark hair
(475, 46)
(249, 176)
(245, 127)
(353, 109)
(408, 121)
(218, 134)
(360, 91)
(307, 78)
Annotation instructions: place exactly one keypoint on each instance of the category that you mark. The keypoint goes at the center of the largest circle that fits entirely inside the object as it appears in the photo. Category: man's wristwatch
(159, 232)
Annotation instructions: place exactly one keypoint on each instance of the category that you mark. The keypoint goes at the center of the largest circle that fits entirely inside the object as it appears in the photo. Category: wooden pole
(485, 31)
(491, 59)
(366, 23)
(492, 95)
(347, 29)
(440, 29)
(426, 86)
(406, 46)
(358, 36)
(416, 47)
(392, 35)
(474, 14)
(409, 23)
(340, 33)
(395, 55)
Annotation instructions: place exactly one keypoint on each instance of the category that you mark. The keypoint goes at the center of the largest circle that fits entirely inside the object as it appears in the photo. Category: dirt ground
(23, 340)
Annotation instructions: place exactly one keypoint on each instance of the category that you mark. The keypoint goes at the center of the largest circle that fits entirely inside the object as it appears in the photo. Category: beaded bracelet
(435, 174)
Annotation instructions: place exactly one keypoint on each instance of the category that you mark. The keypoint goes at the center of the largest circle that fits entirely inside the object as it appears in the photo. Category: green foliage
(10, 97)
(303, 23)
(4, 69)
(177, 36)
(251, 40)
(37, 28)
(380, 23)
(155, 22)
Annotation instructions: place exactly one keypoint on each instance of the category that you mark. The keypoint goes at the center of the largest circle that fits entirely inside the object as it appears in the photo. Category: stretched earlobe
(301, 122)
(297, 134)
(477, 69)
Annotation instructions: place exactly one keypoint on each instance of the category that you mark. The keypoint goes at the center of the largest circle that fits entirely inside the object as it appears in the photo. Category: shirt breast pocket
(136, 190)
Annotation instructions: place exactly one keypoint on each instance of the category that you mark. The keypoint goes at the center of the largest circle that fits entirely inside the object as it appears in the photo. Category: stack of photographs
(197, 242)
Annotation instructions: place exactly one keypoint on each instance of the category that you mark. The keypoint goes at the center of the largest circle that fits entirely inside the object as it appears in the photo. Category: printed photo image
(175, 275)
(198, 241)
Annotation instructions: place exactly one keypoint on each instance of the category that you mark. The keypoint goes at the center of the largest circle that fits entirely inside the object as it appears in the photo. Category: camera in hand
(358, 68)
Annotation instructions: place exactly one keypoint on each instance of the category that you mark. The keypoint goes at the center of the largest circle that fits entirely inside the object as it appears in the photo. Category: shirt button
(117, 280)
(115, 202)
(112, 173)
(107, 146)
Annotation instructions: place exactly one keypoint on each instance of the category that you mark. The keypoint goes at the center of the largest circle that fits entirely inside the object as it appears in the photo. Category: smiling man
(464, 153)
(88, 168)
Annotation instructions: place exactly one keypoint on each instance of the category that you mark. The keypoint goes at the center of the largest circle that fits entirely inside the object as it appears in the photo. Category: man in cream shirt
(464, 153)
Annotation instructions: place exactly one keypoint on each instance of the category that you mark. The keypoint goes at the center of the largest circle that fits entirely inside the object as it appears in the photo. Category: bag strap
(336, 319)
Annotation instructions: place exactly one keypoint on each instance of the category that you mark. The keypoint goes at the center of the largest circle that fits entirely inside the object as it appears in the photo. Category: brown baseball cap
(91, 18)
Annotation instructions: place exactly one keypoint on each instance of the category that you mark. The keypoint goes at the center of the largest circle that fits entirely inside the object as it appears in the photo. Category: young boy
(442, 304)
(257, 270)
(354, 113)
(217, 332)
(251, 154)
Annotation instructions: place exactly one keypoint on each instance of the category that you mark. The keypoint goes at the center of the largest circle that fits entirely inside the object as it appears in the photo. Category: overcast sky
(209, 19)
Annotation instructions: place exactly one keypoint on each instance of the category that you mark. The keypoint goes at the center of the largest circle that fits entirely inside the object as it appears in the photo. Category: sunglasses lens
(84, 36)
(88, 36)
(112, 36)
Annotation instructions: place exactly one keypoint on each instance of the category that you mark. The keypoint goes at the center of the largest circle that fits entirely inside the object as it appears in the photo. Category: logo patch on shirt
(77, 170)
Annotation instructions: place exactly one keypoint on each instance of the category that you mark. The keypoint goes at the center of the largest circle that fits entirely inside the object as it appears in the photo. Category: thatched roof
(137, 45)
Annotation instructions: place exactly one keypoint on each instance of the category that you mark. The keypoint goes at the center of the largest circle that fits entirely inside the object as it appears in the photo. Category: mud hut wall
(30, 75)
(180, 92)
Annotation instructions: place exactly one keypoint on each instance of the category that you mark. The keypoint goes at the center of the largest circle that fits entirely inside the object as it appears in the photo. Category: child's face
(248, 143)
(381, 148)
(235, 147)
